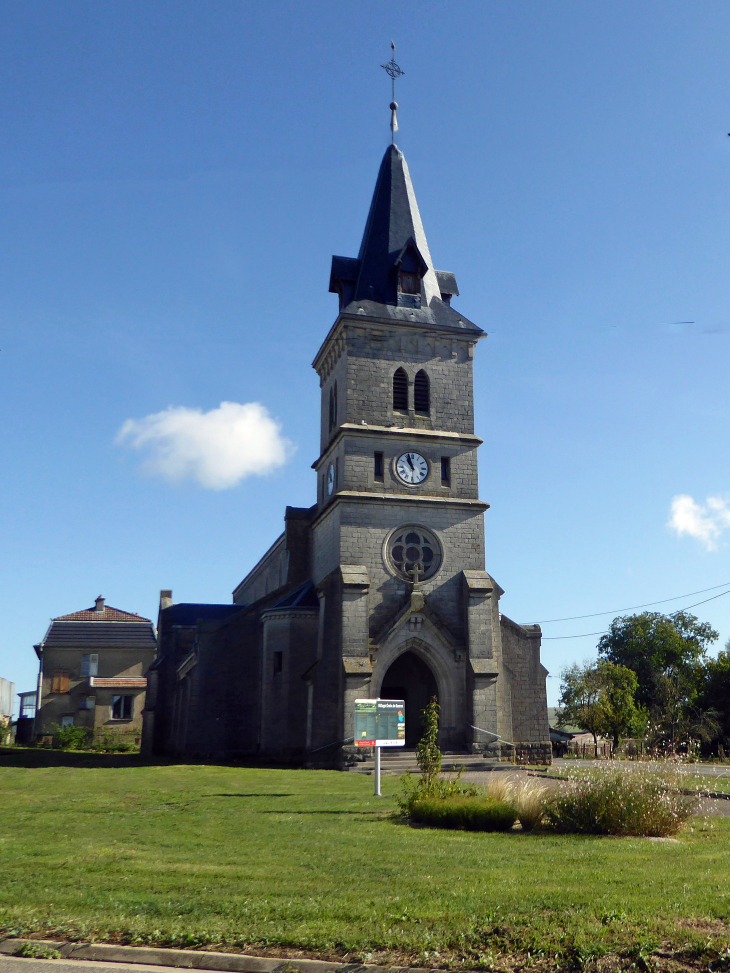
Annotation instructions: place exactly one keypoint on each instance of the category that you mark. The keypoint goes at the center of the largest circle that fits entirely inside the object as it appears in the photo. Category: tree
(580, 698)
(655, 646)
(428, 753)
(714, 694)
(599, 697)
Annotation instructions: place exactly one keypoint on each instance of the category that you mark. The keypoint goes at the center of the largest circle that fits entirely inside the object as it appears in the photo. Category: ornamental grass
(621, 801)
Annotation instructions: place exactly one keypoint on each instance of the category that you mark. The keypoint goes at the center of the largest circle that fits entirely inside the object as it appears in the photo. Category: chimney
(165, 598)
(99, 607)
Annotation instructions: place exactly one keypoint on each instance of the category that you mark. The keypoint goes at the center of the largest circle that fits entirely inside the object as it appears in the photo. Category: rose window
(414, 553)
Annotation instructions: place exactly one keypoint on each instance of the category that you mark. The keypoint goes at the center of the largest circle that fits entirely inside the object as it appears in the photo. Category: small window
(421, 396)
(445, 471)
(400, 391)
(90, 665)
(122, 707)
(333, 406)
(60, 681)
(87, 702)
(278, 662)
(378, 466)
(67, 721)
(409, 283)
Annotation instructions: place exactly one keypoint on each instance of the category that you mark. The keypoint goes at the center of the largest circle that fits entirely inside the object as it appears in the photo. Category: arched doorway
(410, 679)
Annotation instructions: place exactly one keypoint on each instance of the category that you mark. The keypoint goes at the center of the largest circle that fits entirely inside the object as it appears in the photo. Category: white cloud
(217, 448)
(705, 523)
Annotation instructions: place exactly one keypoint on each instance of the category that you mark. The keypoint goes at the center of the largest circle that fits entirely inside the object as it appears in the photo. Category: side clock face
(331, 480)
(411, 468)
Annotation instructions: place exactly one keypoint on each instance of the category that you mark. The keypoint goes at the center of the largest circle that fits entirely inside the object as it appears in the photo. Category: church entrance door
(410, 679)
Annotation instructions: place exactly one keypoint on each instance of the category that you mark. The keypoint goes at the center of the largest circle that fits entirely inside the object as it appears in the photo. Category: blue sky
(175, 177)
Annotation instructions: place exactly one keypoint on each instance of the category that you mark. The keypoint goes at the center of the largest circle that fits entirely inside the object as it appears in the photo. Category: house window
(400, 391)
(87, 702)
(60, 681)
(278, 662)
(90, 665)
(378, 467)
(421, 395)
(67, 721)
(122, 707)
(445, 471)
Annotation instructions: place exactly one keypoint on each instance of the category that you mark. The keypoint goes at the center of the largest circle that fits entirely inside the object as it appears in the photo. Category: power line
(545, 638)
(648, 604)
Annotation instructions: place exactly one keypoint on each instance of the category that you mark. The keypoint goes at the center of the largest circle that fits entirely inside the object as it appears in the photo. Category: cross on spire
(393, 71)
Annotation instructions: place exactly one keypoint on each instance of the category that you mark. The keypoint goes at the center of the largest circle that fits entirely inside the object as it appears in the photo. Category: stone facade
(380, 587)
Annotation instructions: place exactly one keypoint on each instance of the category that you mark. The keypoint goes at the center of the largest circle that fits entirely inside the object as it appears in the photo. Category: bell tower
(398, 534)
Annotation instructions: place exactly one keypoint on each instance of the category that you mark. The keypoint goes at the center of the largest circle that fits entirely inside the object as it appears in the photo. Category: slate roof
(62, 634)
(368, 284)
(189, 614)
(305, 596)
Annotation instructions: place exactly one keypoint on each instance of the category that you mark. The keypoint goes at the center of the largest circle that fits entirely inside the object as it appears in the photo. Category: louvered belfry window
(421, 397)
(400, 391)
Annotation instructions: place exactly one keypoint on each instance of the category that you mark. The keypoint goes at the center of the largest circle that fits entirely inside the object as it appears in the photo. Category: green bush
(71, 737)
(464, 813)
(111, 741)
(621, 801)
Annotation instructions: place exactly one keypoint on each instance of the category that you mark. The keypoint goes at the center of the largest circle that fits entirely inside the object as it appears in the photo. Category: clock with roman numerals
(411, 467)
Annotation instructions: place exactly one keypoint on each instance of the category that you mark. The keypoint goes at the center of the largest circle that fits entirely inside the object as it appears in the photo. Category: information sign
(380, 723)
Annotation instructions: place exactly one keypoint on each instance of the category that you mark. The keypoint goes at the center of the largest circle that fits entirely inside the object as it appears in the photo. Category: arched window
(400, 391)
(421, 397)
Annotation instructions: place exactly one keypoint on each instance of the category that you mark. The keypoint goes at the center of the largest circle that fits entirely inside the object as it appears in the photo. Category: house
(93, 668)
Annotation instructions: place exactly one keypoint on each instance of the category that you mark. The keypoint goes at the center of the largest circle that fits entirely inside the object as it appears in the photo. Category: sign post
(380, 723)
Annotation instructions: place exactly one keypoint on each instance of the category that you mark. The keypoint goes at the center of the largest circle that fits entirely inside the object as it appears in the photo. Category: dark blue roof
(305, 596)
(189, 614)
(394, 235)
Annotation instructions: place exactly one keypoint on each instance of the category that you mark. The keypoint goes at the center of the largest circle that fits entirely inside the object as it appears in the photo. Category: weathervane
(393, 70)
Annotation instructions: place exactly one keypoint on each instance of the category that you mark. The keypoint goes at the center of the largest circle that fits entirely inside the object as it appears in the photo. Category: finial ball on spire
(394, 106)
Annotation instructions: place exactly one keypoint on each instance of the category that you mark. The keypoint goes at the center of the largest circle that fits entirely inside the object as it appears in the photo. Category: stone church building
(379, 589)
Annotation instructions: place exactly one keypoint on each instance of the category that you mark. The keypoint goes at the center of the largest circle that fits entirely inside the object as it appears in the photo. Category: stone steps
(399, 762)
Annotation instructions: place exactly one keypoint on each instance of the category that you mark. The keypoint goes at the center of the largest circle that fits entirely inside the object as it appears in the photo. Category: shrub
(111, 741)
(428, 754)
(621, 801)
(464, 813)
(70, 737)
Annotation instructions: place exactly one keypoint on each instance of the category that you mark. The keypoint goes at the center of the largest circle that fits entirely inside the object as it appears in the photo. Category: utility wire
(586, 634)
(617, 611)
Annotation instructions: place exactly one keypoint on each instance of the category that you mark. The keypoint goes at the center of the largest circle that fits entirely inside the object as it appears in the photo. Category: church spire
(395, 262)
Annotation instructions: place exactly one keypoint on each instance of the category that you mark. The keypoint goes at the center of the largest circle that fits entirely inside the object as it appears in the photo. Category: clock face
(331, 480)
(411, 468)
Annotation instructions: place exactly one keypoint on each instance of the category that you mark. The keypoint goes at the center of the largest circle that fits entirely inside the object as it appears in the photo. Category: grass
(310, 863)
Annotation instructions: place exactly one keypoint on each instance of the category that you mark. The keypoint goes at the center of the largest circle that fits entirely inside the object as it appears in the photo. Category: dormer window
(409, 282)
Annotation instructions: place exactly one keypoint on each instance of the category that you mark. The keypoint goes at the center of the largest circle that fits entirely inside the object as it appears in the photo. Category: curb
(194, 959)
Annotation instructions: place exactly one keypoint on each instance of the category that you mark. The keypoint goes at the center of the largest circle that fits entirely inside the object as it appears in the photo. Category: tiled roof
(108, 614)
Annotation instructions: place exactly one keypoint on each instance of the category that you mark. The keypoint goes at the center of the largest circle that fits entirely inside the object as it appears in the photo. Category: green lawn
(311, 862)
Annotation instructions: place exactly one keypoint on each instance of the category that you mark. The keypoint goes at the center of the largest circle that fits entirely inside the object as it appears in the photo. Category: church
(379, 589)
